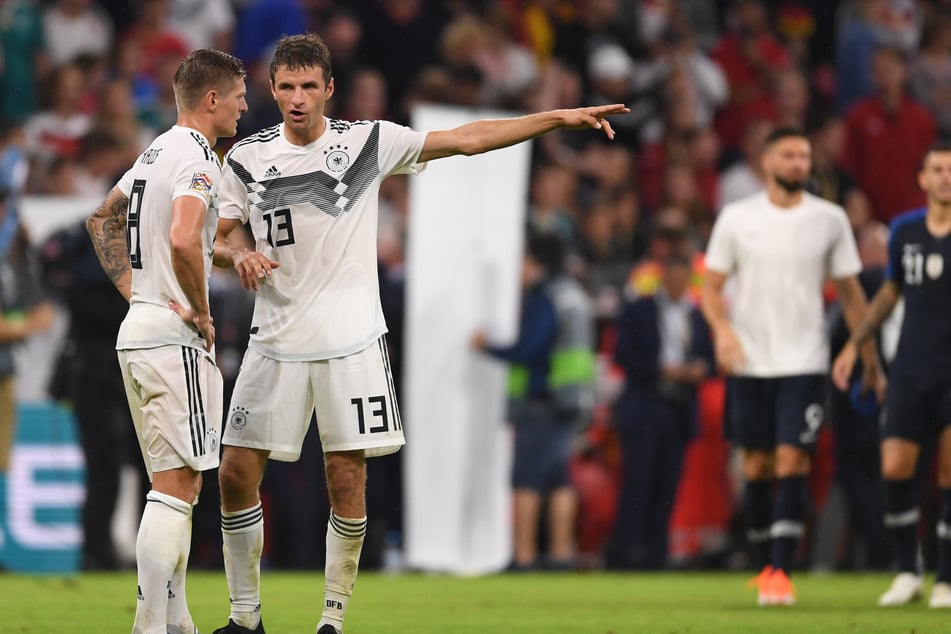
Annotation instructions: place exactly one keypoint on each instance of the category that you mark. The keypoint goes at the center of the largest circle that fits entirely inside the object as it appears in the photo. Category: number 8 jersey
(314, 209)
(179, 162)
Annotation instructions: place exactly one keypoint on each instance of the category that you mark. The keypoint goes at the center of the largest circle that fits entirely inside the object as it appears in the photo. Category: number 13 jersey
(314, 209)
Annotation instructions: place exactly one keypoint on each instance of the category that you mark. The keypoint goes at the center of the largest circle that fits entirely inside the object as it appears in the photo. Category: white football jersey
(179, 162)
(781, 259)
(314, 209)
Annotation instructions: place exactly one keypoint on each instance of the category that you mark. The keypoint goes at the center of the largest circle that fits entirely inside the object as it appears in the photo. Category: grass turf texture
(420, 604)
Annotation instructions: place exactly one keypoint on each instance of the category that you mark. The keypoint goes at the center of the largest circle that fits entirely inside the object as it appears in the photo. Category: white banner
(464, 259)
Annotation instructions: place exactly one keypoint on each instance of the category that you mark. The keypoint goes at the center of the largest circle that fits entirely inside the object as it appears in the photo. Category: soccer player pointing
(309, 189)
(780, 246)
(918, 402)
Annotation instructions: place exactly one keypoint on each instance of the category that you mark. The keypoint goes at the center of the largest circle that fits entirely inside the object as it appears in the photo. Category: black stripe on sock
(348, 529)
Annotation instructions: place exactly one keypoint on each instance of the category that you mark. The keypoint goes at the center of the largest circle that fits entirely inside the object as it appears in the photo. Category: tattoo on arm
(878, 311)
(107, 229)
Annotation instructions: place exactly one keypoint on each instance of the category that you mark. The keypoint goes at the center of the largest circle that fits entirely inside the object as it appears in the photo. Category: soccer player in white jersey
(309, 188)
(154, 236)
(780, 245)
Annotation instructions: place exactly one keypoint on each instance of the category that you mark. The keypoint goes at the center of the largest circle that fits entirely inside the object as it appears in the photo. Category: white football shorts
(354, 398)
(175, 397)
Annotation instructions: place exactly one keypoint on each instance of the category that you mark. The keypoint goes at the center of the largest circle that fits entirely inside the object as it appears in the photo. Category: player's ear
(211, 100)
(330, 88)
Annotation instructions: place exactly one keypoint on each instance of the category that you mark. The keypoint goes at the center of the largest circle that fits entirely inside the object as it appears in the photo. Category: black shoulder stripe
(204, 146)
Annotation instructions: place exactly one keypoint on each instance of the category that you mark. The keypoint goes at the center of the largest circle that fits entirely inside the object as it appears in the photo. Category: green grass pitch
(672, 603)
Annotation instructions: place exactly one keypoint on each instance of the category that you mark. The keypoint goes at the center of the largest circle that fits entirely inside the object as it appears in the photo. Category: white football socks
(165, 526)
(177, 617)
(344, 543)
(242, 534)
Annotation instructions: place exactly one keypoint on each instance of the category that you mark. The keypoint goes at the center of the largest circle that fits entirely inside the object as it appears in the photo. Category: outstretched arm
(491, 134)
(106, 227)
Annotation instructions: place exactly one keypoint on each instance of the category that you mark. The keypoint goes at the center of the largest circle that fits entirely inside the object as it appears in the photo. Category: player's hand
(874, 380)
(252, 266)
(729, 352)
(478, 341)
(203, 323)
(594, 117)
(843, 365)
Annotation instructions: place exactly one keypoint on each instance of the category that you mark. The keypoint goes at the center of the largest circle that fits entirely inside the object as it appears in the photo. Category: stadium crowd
(86, 85)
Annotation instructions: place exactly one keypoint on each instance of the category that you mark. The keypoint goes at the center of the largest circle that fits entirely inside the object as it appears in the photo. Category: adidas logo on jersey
(272, 172)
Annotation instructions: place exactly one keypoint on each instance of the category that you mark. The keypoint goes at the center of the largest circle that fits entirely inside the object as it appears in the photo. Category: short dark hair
(938, 147)
(296, 52)
(548, 249)
(678, 259)
(785, 132)
(203, 70)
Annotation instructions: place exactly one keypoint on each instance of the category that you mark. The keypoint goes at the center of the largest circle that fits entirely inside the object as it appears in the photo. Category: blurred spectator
(746, 176)
(854, 418)
(262, 22)
(128, 66)
(796, 25)
(74, 27)
(669, 237)
(677, 71)
(750, 55)
(792, 97)
(507, 69)
(203, 23)
(56, 130)
(101, 160)
(366, 99)
(665, 350)
(605, 258)
(24, 57)
(154, 38)
(342, 32)
(595, 23)
(117, 116)
(543, 429)
(88, 377)
(159, 113)
(887, 135)
(930, 73)
(400, 39)
(682, 191)
(828, 179)
(865, 26)
(552, 201)
(611, 77)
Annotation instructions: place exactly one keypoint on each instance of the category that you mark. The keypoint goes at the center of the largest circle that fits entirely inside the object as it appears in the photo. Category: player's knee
(757, 466)
(944, 475)
(900, 468)
(346, 476)
(238, 473)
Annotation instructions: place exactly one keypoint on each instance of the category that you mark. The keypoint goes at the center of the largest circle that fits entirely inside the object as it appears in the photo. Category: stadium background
(86, 85)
